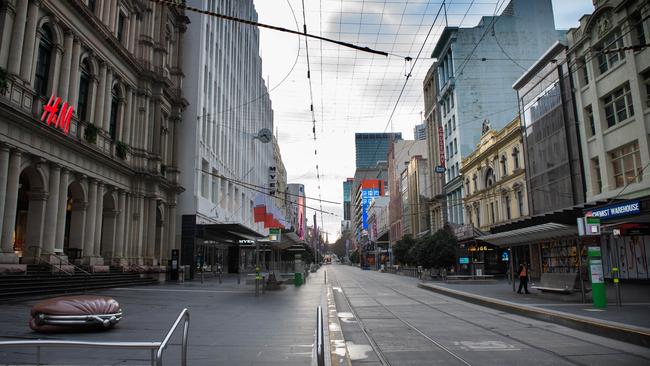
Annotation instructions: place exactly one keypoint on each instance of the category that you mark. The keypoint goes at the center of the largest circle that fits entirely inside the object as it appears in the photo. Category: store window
(618, 106)
(607, 60)
(589, 119)
(626, 164)
(559, 256)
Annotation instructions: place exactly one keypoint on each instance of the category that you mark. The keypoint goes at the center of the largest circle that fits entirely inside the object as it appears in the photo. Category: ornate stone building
(494, 178)
(102, 191)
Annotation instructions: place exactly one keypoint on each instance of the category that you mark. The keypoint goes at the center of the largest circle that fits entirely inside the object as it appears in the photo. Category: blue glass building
(373, 147)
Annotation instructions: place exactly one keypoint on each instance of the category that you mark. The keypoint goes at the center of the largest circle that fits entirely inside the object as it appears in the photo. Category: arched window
(504, 165)
(43, 62)
(84, 88)
(91, 5)
(475, 183)
(467, 186)
(515, 156)
(115, 105)
(489, 178)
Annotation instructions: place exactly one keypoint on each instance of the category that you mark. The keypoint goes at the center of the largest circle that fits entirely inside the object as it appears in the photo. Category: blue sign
(626, 208)
(463, 260)
(505, 256)
(440, 169)
(367, 195)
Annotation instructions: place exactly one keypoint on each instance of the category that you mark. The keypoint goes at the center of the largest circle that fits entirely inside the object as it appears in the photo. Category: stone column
(91, 213)
(35, 222)
(106, 12)
(53, 82)
(132, 33)
(118, 253)
(99, 98)
(6, 28)
(73, 94)
(113, 17)
(107, 99)
(151, 231)
(52, 210)
(99, 219)
(175, 137)
(139, 250)
(128, 122)
(11, 202)
(121, 113)
(171, 229)
(29, 47)
(64, 80)
(18, 37)
(62, 210)
(4, 170)
(157, 117)
(92, 100)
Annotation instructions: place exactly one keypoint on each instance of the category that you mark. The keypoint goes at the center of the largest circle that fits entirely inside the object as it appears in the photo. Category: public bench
(565, 283)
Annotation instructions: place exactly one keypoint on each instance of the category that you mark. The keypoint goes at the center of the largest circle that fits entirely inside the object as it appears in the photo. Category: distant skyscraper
(420, 132)
(372, 148)
(347, 187)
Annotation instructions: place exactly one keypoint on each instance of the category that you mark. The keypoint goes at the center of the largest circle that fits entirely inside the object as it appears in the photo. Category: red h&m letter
(61, 121)
(50, 110)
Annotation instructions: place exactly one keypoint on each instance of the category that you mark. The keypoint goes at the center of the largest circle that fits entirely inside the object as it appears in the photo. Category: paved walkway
(229, 325)
(635, 309)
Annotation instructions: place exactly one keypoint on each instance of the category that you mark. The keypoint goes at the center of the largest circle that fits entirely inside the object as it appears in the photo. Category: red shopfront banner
(60, 120)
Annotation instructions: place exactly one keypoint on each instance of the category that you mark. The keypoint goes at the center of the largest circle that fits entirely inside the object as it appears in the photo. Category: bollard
(325, 282)
(617, 286)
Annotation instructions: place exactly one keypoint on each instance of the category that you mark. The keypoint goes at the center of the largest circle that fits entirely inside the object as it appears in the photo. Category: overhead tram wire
(251, 185)
(284, 199)
(272, 27)
(408, 75)
(313, 113)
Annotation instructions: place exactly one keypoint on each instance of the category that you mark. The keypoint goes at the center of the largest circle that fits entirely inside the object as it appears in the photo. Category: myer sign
(626, 208)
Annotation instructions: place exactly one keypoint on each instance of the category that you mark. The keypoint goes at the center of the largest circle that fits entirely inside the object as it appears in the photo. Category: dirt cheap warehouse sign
(626, 208)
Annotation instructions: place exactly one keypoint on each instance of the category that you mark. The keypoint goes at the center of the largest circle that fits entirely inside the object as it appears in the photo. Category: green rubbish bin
(297, 279)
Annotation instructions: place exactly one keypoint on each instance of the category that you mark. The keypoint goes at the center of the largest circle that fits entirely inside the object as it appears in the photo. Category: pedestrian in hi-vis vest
(523, 278)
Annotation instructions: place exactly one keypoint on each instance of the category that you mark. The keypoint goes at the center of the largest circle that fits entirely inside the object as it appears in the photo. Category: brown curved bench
(74, 313)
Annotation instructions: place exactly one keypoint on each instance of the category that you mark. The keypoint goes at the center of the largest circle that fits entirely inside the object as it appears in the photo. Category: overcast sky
(354, 91)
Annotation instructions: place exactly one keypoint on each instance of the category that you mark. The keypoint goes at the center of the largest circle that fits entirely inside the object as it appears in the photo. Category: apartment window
(204, 179)
(492, 216)
(589, 119)
(618, 105)
(478, 216)
(475, 183)
(585, 71)
(215, 192)
(637, 24)
(457, 172)
(467, 186)
(43, 62)
(646, 82)
(453, 122)
(451, 100)
(515, 157)
(520, 202)
(596, 180)
(120, 27)
(607, 60)
(507, 204)
(115, 104)
(84, 87)
(626, 164)
(504, 165)
(455, 147)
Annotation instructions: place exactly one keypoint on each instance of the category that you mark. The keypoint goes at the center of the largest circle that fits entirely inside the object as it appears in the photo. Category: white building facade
(229, 105)
(101, 187)
(475, 80)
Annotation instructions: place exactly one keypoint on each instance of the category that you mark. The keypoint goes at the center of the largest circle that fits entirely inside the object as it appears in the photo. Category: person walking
(523, 278)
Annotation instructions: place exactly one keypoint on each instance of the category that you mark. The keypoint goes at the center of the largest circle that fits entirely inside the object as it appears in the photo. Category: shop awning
(227, 232)
(530, 234)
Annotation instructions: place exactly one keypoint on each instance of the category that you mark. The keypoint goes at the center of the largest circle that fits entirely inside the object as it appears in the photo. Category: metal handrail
(60, 261)
(157, 348)
(320, 350)
(184, 315)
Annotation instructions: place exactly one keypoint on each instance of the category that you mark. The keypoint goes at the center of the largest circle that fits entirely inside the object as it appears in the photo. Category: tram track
(373, 343)
(475, 324)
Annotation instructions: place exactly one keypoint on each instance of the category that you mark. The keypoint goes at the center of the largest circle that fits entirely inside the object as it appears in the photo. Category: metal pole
(512, 267)
(320, 352)
(582, 285)
(153, 357)
(615, 274)
(325, 282)
(38, 355)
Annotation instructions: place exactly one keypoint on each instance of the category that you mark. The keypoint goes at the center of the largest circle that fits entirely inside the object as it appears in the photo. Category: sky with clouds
(354, 91)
